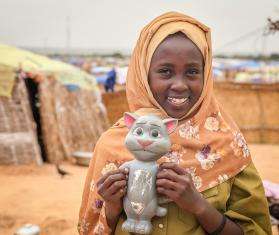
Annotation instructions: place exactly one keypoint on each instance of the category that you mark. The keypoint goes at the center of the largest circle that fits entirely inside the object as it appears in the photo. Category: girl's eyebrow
(194, 64)
(166, 64)
(141, 122)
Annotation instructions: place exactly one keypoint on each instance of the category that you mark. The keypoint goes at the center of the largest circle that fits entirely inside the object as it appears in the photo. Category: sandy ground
(38, 195)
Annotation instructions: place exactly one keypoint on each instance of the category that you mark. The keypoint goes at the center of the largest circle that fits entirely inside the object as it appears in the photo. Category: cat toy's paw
(129, 225)
(144, 227)
(161, 211)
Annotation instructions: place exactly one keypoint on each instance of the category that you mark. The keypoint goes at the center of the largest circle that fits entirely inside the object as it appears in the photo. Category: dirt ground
(38, 195)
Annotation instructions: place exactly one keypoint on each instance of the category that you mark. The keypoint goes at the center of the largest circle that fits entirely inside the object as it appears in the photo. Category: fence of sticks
(116, 104)
(254, 107)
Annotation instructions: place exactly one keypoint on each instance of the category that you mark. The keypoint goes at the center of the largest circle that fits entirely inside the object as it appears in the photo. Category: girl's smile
(176, 74)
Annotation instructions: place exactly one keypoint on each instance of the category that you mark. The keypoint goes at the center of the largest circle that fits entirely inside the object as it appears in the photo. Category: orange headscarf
(208, 145)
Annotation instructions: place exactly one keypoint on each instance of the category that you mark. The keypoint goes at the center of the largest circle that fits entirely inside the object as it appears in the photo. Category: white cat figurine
(148, 140)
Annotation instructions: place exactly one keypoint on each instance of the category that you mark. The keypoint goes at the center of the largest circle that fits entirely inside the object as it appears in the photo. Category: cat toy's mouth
(143, 150)
(178, 101)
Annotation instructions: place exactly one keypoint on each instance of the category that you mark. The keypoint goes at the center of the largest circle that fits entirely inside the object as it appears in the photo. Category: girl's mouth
(178, 101)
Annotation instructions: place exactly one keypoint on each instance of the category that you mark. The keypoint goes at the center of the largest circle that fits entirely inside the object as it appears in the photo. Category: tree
(273, 26)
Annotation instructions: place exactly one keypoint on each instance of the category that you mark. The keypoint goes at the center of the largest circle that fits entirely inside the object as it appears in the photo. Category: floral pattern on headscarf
(196, 179)
(109, 167)
(83, 226)
(211, 124)
(239, 145)
(222, 178)
(92, 185)
(207, 158)
(99, 229)
(215, 122)
(188, 131)
(174, 155)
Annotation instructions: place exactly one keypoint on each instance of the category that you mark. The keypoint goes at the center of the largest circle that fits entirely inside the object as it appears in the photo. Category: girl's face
(176, 75)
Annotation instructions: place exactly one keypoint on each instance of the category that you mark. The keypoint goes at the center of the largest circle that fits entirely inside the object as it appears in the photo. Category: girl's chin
(177, 116)
(177, 113)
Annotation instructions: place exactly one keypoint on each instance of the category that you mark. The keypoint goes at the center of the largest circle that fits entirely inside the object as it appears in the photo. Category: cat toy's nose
(144, 143)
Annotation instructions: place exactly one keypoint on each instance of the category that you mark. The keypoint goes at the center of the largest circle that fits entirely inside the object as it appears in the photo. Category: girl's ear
(129, 119)
(170, 124)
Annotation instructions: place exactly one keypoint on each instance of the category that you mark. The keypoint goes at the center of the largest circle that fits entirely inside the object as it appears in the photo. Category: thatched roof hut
(47, 106)
(18, 142)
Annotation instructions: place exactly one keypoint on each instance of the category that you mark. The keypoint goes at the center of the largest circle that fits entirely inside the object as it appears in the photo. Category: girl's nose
(144, 143)
(179, 84)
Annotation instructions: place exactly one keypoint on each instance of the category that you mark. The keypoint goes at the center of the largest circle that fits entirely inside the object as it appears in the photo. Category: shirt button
(161, 225)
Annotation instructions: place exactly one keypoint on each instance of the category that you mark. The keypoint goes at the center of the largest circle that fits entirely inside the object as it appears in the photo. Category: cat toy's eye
(155, 133)
(138, 131)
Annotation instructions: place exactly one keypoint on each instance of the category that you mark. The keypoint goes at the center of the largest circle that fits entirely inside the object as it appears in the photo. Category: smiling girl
(208, 176)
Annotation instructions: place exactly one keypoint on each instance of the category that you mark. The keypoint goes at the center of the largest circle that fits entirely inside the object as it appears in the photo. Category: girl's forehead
(177, 50)
(177, 45)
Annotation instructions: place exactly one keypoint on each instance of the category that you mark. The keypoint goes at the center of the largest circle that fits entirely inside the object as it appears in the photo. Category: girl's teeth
(177, 101)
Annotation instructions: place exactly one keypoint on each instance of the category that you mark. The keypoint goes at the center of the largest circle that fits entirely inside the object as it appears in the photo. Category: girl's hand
(112, 188)
(175, 183)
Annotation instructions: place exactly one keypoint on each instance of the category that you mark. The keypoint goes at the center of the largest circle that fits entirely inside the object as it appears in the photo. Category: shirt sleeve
(247, 205)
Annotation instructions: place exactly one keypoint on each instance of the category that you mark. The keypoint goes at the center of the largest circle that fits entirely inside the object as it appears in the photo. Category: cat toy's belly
(141, 186)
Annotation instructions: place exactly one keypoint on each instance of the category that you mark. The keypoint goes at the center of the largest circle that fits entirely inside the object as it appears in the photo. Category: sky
(111, 25)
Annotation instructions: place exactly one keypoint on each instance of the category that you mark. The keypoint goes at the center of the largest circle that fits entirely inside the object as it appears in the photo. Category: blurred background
(63, 67)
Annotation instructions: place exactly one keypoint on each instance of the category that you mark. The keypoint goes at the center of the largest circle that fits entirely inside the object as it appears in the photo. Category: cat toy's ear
(129, 119)
(170, 124)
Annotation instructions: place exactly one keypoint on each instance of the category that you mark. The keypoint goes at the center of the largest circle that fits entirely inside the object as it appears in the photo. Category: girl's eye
(165, 71)
(138, 131)
(192, 72)
(155, 133)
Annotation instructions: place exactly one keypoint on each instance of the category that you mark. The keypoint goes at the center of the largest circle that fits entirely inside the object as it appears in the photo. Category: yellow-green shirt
(240, 198)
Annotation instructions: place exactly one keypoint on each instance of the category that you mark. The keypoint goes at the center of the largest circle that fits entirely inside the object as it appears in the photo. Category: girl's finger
(113, 178)
(168, 174)
(173, 166)
(124, 170)
(104, 177)
(120, 193)
(168, 193)
(167, 184)
(116, 186)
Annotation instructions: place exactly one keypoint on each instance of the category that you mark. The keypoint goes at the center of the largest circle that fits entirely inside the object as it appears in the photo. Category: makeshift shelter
(18, 142)
(46, 103)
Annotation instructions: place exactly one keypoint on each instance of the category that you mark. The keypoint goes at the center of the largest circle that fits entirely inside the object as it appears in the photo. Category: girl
(208, 177)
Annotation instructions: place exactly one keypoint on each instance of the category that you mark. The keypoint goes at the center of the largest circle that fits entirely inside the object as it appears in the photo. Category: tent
(48, 109)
